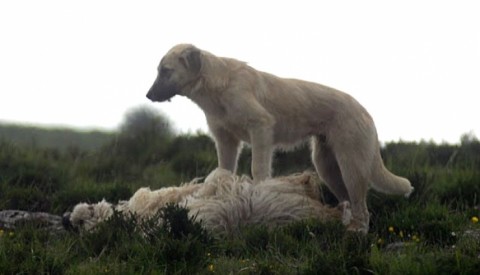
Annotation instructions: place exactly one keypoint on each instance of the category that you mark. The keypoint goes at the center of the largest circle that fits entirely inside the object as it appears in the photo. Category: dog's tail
(388, 183)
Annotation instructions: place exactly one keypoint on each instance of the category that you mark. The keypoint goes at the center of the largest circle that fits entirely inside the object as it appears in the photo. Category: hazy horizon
(177, 131)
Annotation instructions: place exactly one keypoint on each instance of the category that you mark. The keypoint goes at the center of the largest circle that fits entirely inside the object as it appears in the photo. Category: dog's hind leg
(355, 167)
(327, 168)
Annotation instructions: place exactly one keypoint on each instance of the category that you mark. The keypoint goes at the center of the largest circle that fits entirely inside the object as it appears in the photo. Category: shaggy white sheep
(223, 203)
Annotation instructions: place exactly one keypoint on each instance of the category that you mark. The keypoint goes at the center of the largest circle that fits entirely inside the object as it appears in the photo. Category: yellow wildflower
(401, 234)
(211, 268)
(415, 238)
(380, 241)
(474, 219)
(391, 229)
(11, 234)
(1, 232)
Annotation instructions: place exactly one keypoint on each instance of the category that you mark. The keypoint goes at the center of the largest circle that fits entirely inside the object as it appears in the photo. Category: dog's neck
(206, 99)
(192, 89)
(207, 89)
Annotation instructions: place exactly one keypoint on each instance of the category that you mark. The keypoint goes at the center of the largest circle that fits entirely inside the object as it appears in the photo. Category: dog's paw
(407, 195)
(217, 174)
(346, 210)
(357, 227)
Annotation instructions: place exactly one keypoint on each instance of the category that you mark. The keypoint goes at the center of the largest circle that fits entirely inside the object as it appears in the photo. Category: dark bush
(25, 198)
(38, 168)
(143, 140)
(192, 156)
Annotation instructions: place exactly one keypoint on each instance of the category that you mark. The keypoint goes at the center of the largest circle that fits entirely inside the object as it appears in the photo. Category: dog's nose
(67, 224)
(151, 94)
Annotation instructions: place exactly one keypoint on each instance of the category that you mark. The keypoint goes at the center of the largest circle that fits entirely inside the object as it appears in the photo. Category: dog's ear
(190, 59)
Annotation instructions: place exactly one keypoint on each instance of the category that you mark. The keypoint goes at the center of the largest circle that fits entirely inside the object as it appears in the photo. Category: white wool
(225, 203)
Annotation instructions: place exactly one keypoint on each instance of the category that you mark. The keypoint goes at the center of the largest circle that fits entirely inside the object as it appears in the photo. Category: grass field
(436, 231)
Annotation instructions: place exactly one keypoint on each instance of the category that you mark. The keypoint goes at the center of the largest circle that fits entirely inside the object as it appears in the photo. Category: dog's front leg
(228, 148)
(262, 150)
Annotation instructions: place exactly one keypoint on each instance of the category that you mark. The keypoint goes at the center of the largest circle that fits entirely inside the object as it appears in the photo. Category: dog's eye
(165, 72)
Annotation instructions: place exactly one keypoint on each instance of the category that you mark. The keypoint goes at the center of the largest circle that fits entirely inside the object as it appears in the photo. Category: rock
(10, 219)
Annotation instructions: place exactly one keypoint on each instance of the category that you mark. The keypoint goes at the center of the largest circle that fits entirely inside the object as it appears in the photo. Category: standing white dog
(243, 104)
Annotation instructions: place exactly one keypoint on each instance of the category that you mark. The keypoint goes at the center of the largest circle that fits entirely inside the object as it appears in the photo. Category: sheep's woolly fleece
(224, 203)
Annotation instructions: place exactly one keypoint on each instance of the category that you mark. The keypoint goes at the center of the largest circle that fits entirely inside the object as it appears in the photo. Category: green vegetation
(54, 138)
(436, 231)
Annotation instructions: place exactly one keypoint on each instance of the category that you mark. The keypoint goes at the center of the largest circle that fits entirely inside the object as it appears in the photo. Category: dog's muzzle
(160, 92)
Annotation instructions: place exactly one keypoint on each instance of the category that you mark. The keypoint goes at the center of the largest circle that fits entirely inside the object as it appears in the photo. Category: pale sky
(415, 65)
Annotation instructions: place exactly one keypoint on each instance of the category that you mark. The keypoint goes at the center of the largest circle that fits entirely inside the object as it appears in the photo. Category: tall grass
(430, 233)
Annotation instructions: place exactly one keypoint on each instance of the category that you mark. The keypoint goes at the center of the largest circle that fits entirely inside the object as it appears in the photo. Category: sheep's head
(86, 216)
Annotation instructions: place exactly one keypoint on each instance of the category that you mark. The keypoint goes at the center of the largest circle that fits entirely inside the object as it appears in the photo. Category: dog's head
(179, 68)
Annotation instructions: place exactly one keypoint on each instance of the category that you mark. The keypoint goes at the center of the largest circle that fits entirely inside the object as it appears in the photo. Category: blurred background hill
(59, 138)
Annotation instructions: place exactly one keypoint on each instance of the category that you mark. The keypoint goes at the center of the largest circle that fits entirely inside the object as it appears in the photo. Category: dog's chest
(221, 116)
(237, 128)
